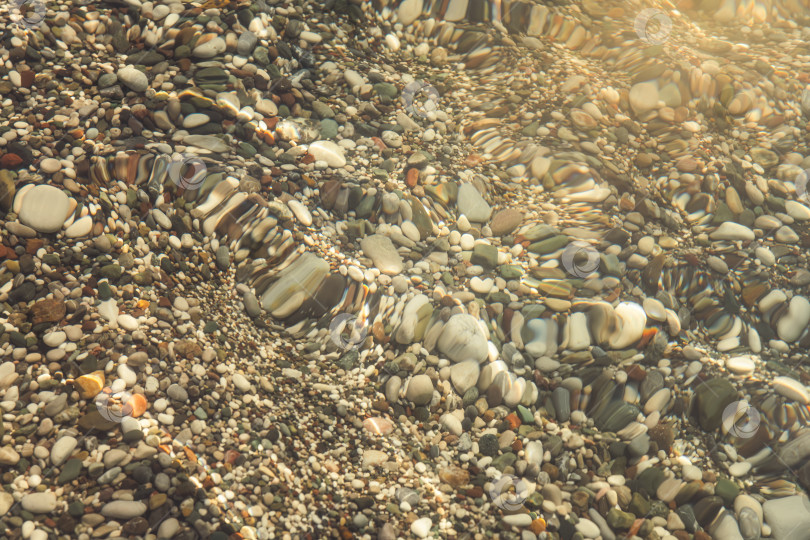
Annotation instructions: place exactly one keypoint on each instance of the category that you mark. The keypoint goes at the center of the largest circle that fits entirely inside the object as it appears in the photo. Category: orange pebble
(646, 337)
(412, 177)
(137, 405)
(513, 420)
(538, 525)
(190, 455)
(634, 528)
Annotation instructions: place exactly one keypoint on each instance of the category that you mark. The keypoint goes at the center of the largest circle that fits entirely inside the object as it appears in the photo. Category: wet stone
(488, 445)
(712, 397)
(706, 509)
(485, 255)
(619, 520)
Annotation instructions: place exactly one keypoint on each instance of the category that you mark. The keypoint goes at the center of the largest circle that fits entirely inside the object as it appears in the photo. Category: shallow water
(369, 269)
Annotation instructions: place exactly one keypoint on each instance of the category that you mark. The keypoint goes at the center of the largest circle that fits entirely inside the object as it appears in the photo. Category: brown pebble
(136, 526)
(662, 435)
(455, 476)
(380, 405)
(552, 471)
(49, 310)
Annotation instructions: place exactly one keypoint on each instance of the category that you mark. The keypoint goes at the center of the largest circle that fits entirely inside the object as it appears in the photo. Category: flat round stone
(45, 208)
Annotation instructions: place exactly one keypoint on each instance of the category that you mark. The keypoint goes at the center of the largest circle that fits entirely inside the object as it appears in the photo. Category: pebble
(732, 231)
(472, 205)
(80, 228)
(795, 321)
(50, 165)
(62, 449)
(644, 96)
(791, 389)
(133, 78)
(740, 365)
(39, 503)
(329, 152)
(210, 48)
(462, 339)
(240, 382)
(9, 456)
(787, 516)
(123, 509)
(44, 208)
(421, 527)
(739, 469)
(464, 375)
(420, 390)
(587, 528)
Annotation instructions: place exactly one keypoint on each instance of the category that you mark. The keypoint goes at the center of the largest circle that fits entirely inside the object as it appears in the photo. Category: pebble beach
(457, 269)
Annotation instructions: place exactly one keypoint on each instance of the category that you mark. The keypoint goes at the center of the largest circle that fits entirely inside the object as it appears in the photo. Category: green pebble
(386, 90)
(648, 481)
(17, 339)
(76, 509)
(111, 271)
(104, 291)
(533, 501)
(503, 461)
(525, 429)
(70, 471)
(525, 414)
(246, 150)
(510, 271)
(531, 129)
(329, 128)
(619, 520)
(499, 297)
(485, 255)
(639, 505)
(726, 490)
